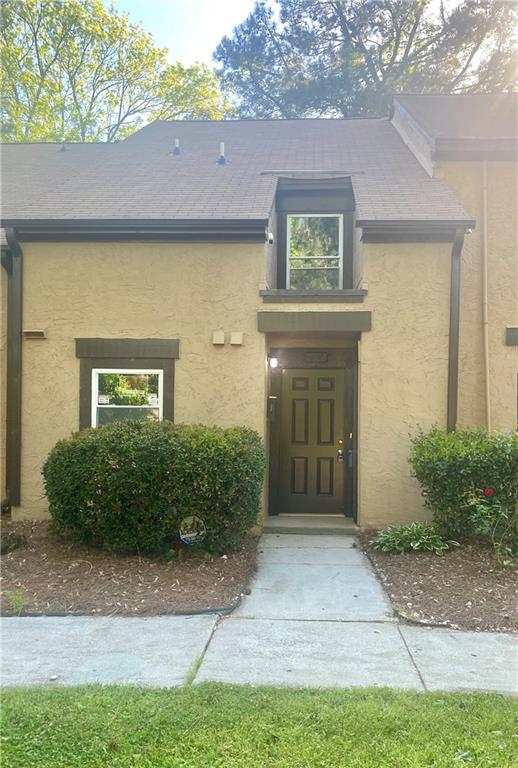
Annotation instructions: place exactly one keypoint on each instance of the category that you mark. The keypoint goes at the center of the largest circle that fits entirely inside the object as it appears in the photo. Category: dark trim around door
(315, 358)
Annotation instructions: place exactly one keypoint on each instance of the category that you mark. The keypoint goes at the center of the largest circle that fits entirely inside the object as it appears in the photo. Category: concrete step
(336, 525)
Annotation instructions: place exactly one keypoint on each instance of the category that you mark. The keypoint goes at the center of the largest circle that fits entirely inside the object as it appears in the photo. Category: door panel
(311, 478)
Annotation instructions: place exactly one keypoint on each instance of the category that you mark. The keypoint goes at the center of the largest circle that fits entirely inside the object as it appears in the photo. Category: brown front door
(312, 460)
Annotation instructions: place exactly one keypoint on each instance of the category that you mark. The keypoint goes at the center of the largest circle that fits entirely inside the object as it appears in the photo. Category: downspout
(12, 263)
(485, 312)
(453, 348)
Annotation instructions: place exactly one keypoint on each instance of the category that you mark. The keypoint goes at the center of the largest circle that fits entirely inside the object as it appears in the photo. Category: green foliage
(314, 245)
(456, 469)
(81, 71)
(414, 537)
(345, 58)
(118, 388)
(17, 599)
(231, 726)
(496, 521)
(127, 486)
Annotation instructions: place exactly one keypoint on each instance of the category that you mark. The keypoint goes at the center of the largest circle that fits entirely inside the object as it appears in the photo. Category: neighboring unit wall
(403, 372)
(465, 179)
(128, 290)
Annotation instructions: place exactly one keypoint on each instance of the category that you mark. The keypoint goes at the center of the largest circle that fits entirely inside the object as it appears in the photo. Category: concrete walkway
(316, 616)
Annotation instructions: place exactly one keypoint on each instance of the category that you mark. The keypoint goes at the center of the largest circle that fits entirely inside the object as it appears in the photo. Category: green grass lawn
(239, 726)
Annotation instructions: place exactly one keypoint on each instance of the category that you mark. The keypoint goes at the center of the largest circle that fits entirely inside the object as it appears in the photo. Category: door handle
(340, 456)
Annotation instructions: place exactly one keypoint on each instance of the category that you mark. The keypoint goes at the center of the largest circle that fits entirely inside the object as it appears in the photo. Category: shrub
(495, 521)
(127, 486)
(414, 537)
(453, 467)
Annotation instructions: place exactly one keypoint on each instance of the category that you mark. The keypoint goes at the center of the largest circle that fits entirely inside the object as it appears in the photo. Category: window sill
(284, 295)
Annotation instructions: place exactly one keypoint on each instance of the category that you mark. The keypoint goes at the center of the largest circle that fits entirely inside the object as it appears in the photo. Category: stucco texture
(119, 290)
(187, 291)
(402, 373)
(465, 179)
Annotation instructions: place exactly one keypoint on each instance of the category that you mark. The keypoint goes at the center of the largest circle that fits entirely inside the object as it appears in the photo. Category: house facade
(334, 284)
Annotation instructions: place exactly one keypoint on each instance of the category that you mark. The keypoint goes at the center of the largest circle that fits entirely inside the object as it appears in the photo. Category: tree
(79, 71)
(346, 57)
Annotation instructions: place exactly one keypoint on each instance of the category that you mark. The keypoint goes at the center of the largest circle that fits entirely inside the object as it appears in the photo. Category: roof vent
(176, 149)
(222, 160)
(63, 147)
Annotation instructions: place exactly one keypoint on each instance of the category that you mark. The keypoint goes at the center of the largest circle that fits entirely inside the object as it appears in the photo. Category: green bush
(496, 522)
(454, 467)
(414, 537)
(127, 486)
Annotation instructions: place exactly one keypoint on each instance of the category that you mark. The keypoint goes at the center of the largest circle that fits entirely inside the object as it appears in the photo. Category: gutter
(12, 262)
(453, 346)
(174, 230)
(474, 148)
(412, 231)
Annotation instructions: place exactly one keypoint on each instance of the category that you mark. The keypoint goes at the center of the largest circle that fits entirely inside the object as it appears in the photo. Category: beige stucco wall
(189, 291)
(465, 179)
(116, 290)
(403, 372)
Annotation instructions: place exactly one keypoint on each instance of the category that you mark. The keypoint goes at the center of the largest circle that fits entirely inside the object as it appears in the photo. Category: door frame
(312, 358)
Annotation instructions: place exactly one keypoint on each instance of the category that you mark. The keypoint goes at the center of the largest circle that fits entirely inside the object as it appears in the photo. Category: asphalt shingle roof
(139, 179)
(464, 116)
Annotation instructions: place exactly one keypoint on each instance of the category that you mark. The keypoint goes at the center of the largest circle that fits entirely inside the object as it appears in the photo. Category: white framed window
(314, 244)
(119, 393)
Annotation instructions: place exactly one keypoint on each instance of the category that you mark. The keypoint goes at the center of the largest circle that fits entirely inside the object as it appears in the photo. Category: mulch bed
(464, 589)
(64, 578)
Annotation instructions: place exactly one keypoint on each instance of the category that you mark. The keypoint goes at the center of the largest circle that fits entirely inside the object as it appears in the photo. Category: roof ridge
(57, 143)
(271, 120)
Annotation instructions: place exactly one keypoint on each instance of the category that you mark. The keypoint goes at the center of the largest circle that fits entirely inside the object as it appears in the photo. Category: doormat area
(464, 589)
(48, 576)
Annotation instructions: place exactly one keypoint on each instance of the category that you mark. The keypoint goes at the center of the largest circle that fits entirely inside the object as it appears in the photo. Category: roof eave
(179, 230)
(412, 231)
(446, 148)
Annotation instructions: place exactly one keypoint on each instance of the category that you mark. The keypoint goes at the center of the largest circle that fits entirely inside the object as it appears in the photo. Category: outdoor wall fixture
(273, 361)
(236, 338)
(34, 334)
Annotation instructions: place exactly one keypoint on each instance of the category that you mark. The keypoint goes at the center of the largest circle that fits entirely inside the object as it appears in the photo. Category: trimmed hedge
(453, 468)
(127, 486)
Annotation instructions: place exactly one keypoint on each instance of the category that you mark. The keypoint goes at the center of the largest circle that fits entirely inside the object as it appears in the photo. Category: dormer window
(314, 251)
(315, 221)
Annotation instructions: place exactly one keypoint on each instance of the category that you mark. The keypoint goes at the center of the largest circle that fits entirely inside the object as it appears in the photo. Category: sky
(190, 29)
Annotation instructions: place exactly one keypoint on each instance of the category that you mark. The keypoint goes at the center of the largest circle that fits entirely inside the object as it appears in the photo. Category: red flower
(488, 492)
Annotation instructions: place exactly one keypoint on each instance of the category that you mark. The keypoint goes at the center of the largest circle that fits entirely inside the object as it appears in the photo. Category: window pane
(128, 389)
(305, 279)
(107, 415)
(314, 256)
